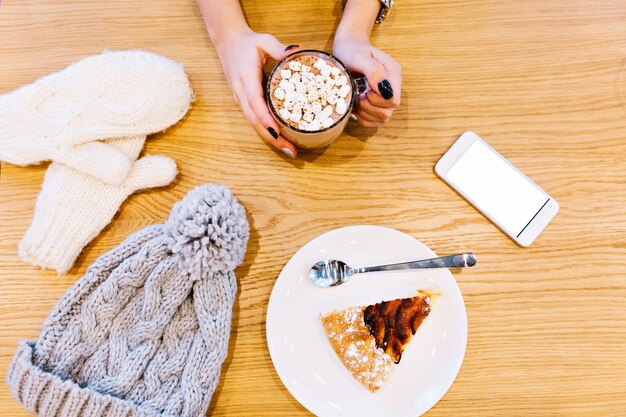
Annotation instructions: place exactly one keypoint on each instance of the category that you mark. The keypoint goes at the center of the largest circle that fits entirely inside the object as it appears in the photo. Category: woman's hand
(243, 55)
(353, 47)
(382, 73)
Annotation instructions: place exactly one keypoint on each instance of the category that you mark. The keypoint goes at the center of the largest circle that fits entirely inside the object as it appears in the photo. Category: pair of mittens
(91, 120)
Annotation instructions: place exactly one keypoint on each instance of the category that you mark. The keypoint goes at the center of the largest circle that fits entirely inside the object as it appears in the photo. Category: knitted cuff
(47, 395)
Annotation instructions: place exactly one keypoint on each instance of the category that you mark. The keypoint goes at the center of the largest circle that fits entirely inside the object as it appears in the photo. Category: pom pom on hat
(208, 230)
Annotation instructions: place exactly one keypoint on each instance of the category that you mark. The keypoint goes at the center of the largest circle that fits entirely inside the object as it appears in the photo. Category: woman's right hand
(243, 55)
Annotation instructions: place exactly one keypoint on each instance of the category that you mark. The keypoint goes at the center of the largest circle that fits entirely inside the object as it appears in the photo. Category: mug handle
(360, 86)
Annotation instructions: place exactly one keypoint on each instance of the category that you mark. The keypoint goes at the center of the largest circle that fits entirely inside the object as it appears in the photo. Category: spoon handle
(462, 260)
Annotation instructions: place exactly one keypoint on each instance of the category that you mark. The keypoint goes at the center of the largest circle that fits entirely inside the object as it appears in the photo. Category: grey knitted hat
(145, 331)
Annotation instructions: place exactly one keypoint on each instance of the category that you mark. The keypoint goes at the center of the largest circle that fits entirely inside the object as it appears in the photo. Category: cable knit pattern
(145, 331)
(111, 95)
(72, 207)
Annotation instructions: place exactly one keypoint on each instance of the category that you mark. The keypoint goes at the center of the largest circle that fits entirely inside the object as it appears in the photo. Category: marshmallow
(309, 76)
(295, 78)
(301, 98)
(303, 125)
(285, 73)
(296, 116)
(308, 117)
(335, 71)
(325, 71)
(301, 88)
(295, 65)
(279, 93)
(325, 114)
(288, 104)
(320, 63)
(328, 122)
(314, 125)
(285, 114)
(330, 97)
(305, 69)
(316, 108)
(341, 80)
(313, 95)
(297, 107)
(289, 88)
(344, 91)
(341, 107)
(283, 83)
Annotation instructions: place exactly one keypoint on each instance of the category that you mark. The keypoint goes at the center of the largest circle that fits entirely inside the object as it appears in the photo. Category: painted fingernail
(385, 89)
(353, 117)
(288, 152)
(272, 132)
(290, 47)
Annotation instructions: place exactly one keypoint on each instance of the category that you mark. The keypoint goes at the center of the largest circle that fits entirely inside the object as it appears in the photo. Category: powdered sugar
(356, 348)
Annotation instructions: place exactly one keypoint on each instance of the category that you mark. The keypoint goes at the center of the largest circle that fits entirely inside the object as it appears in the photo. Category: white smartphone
(496, 188)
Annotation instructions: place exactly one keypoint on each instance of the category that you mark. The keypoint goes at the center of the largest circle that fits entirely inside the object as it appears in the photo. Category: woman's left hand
(383, 74)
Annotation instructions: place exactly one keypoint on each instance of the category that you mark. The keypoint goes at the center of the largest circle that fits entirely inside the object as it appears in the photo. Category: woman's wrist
(224, 40)
(358, 20)
(224, 21)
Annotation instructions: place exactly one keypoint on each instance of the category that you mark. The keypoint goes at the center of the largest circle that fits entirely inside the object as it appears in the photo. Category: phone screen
(497, 188)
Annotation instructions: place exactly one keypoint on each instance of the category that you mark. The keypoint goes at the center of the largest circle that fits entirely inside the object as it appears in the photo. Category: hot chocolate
(310, 93)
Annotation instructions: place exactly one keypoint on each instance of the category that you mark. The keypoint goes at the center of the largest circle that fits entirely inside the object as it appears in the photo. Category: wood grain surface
(544, 82)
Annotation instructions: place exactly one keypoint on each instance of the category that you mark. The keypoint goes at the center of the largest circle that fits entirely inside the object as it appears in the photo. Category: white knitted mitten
(73, 207)
(115, 94)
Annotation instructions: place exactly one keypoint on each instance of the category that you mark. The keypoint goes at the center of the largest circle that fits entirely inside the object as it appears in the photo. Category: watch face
(385, 7)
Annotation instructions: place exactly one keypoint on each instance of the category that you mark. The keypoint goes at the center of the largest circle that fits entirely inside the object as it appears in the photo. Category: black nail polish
(385, 89)
(272, 132)
(290, 47)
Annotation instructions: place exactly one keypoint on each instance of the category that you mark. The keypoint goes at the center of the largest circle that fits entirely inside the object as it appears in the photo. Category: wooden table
(543, 82)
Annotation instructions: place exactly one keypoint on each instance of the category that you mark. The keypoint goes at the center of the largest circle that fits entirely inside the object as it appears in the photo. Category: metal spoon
(332, 272)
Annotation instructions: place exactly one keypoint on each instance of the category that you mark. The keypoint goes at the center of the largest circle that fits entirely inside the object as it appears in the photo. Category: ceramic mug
(324, 136)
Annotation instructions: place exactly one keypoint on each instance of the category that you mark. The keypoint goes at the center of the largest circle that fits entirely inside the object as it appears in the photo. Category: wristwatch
(385, 8)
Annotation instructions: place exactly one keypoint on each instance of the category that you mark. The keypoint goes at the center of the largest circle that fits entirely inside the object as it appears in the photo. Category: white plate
(308, 365)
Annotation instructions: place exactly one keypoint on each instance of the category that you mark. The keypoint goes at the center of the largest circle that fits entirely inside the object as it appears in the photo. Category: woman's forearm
(222, 18)
(358, 19)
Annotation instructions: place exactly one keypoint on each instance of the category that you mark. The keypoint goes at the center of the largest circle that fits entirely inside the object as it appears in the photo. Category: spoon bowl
(329, 273)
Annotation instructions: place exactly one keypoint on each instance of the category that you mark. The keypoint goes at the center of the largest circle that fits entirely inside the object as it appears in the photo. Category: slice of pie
(369, 339)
